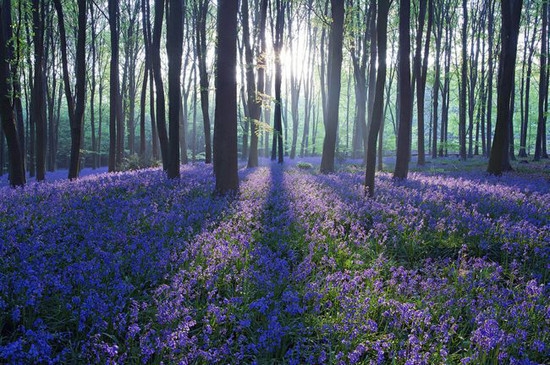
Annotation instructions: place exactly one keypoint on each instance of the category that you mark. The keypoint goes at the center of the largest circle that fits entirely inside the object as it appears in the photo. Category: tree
(421, 70)
(378, 107)
(38, 97)
(174, 48)
(159, 83)
(499, 159)
(7, 114)
(115, 113)
(75, 103)
(201, 13)
(277, 148)
(405, 93)
(225, 115)
(463, 80)
(540, 146)
(527, 68)
(254, 92)
(334, 81)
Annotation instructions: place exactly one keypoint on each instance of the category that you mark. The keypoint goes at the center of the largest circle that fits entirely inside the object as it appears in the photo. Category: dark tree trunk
(159, 84)
(499, 159)
(405, 93)
(277, 148)
(378, 105)
(7, 114)
(201, 17)
(420, 72)
(146, 70)
(540, 144)
(51, 93)
(75, 107)
(77, 122)
(38, 96)
(490, 72)
(114, 90)
(174, 48)
(334, 81)
(225, 118)
(296, 81)
(93, 85)
(254, 93)
(438, 35)
(463, 83)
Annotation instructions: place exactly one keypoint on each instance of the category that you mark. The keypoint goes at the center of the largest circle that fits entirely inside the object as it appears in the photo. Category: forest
(274, 182)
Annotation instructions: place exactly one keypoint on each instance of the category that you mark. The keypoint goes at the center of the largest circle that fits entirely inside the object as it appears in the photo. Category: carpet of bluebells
(298, 268)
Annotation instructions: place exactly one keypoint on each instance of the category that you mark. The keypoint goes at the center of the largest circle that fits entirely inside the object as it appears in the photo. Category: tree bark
(174, 48)
(277, 148)
(225, 118)
(463, 83)
(405, 93)
(334, 82)
(201, 10)
(378, 106)
(543, 87)
(7, 114)
(499, 159)
(159, 83)
(38, 95)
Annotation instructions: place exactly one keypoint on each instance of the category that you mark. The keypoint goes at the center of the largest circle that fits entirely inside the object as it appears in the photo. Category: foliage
(136, 162)
(304, 165)
(298, 268)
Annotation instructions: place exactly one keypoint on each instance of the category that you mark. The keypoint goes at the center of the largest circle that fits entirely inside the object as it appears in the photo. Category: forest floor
(449, 266)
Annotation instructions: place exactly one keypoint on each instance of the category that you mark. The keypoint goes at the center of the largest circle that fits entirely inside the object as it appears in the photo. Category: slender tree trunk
(93, 85)
(174, 48)
(277, 148)
(490, 32)
(159, 84)
(254, 92)
(38, 108)
(540, 143)
(420, 72)
(334, 81)
(146, 70)
(225, 119)
(405, 93)
(378, 105)
(499, 160)
(114, 90)
(7, 114)
(463, 83)
(77, 122)
(438, 34)
(201, 10)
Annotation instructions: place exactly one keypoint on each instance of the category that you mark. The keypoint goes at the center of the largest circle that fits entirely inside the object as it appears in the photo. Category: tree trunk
(499, 160)
(77, 122)
(159, 84)
(225, 118)
(334, 80)
(543, 87)
(7, 114)
(420, 71)
(378, 105)
(254, 92)
(491, 66)
(463, 83)
(405, 93)
(277, 148)
(438, 35)
(38, 96)
(174, 49)
(201, 15)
